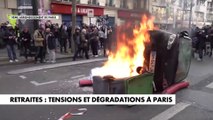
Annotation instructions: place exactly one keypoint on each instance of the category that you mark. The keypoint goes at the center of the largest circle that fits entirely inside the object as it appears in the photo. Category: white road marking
(78, 76)
(172, 111)
(44, 83)
(22, 76)
(210, 85)
(44, 67)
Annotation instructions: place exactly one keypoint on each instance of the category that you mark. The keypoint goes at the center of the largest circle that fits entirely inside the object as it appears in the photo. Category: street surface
(194, 103)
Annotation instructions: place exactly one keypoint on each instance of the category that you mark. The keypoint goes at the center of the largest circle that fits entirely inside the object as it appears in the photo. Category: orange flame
(130, 50)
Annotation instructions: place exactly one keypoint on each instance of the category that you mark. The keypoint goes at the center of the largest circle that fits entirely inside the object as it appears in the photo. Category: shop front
(81, 13)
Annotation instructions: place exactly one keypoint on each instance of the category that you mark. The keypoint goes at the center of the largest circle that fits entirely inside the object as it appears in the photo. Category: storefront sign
(90, 13)
(59, 8)
(128, 14)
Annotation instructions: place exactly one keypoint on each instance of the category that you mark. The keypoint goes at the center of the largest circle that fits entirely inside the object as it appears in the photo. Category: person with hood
(25, 39)
(11, 40)
(39, 40)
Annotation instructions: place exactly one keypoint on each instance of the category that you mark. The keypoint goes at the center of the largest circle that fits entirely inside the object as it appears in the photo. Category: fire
(130, 50)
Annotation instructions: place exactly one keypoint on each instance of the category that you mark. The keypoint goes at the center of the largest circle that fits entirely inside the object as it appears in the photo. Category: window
(123, 3)
(93, 2)
(199, 16)
(201, 2)
(186, 15)
(180, 3)
(209, 17)
(24, 2)
(186, 4)
(179, 14)
(159, 13)
(137, 4)
(210, 4)
(110, 3)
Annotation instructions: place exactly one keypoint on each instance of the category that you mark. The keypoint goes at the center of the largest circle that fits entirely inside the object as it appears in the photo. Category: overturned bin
(167, 62)
(141, 84)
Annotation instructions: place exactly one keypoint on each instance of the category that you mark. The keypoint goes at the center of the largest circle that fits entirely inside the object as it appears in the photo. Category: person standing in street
(39, 43)
(51, 45)
(101, 35)
(77, 40)
(57, 35)
(201, 43)
(83, 46)
(11, 40)
(69, 30)
(94, 41)
(25, 39)
(64, 38)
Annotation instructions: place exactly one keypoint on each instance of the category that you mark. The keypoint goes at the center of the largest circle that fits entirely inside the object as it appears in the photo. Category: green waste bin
(141, 84)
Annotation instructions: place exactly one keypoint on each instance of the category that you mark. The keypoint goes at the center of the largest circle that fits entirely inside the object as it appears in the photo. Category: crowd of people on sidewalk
(49, 37)
(202, 41)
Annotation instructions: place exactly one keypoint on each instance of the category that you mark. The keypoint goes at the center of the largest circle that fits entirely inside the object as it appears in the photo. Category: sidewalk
(4, 58)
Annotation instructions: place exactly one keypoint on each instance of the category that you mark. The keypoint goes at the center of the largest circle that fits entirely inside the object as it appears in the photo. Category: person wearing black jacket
(83, 44)
(77, 41)
(10, 40)
(201, 43)
(63, 38)
(25, 39)
(51, 44)
(69, 30)
(94, 41)
(210, 38)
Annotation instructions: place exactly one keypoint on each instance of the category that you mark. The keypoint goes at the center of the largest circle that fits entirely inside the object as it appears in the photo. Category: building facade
(175, 14)
(7, 7)
(118, 11)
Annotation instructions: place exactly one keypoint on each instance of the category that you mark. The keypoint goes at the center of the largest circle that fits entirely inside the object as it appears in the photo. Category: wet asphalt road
(198, 97)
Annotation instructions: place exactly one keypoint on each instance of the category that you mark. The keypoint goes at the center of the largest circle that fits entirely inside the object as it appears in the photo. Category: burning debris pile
(129, 53)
